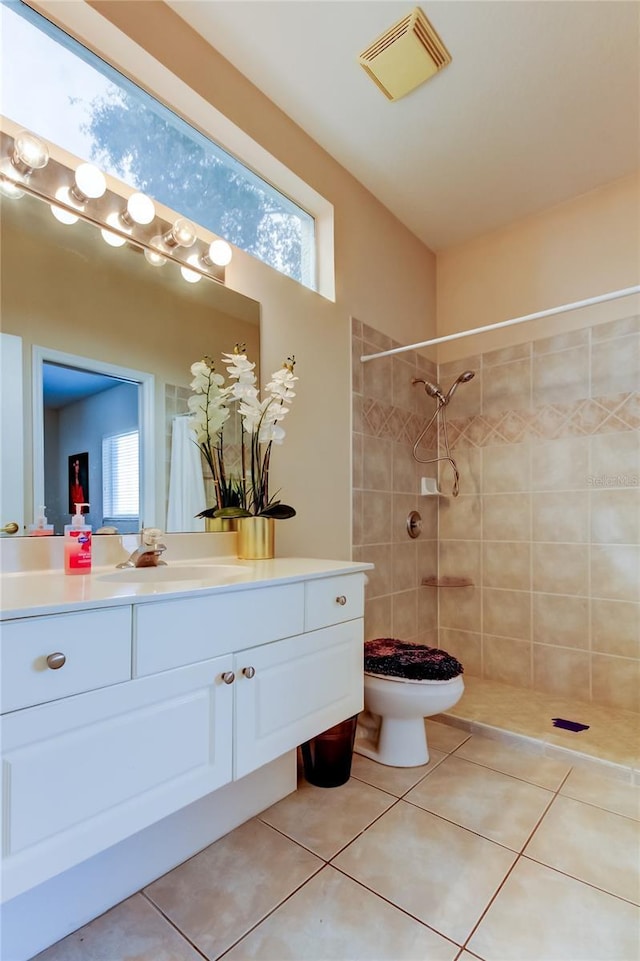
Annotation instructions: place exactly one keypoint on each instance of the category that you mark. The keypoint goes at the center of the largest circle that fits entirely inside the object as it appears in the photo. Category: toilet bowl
(392, 729)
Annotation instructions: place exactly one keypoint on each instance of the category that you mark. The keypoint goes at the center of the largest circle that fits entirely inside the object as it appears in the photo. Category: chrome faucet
(149, 552)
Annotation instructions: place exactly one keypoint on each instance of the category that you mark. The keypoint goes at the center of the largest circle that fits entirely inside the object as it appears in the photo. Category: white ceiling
(540, 104)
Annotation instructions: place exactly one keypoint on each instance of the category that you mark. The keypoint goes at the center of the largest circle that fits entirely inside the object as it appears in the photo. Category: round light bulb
(140, 209)
(30, 150)
(220, 253)
(64, 216)
(183, 233)
(10, 190)
(154, 258)
(90, 181)
(191, 276)
(113, 239)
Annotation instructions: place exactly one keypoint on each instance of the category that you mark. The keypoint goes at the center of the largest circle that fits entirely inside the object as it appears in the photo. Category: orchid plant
(209, 412)
(261, 428)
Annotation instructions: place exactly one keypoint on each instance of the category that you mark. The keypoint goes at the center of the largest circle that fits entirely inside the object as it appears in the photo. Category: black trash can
(326, 758)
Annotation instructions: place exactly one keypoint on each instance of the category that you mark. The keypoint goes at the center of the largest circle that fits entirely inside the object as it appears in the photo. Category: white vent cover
(405, 56)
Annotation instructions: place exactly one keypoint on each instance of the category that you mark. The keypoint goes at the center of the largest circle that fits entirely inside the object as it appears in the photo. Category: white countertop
(32, 593)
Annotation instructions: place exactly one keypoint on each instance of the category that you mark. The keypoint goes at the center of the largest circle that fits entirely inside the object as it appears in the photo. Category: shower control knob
(56, 661)
(228, 677)
(249, 672)
(341, 600)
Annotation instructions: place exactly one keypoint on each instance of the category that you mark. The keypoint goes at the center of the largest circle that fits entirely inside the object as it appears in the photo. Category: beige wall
(585, 247)
(384, 276)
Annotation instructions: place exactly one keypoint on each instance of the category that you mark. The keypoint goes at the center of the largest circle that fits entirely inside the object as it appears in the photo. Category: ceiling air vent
(406, 55)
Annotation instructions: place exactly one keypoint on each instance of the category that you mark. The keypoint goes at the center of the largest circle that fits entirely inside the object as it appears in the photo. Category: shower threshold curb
(538, 746)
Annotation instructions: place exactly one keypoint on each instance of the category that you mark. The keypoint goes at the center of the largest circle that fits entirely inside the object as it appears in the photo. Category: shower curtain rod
(614, 295)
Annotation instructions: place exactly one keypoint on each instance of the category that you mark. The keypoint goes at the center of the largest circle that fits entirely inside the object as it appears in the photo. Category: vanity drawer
(330, 600)
(97, 652)
(173, 633)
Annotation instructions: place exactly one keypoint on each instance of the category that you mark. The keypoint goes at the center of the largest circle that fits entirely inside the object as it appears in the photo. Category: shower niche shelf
(434, 581)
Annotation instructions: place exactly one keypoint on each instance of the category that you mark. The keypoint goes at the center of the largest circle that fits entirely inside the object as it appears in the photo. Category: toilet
(403, 684)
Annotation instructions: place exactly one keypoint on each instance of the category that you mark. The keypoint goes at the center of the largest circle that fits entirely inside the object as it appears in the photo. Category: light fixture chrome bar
(564, 308)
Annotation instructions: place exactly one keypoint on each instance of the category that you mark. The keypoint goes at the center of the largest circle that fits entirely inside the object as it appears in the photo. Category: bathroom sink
(203, 573)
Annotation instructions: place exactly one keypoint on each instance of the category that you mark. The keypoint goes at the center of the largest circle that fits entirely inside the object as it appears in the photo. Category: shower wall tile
(459, 607)
(560, 516)
(404, 393)
(404, 566)
(560, 569)
(559, 378)
(549, 345)
(615, 627)
(615, 572)
(507, 660)
(427, 559)
(561, 620)
(466, 646)
(460, 517)
(404, 469)
(460, 559)
(506, 564)
(381, 577)
(506, 469)
(377, 617)
(357, 349)
(615, 460)
(506, 354)
(615, 516)
(547, 441)
(615, 365)
(506, 517)
(559, 670)
(506, 613)
(507, 387)
(616, 681)
(377, 463)
(357, 457)
(377, 375)
(616, 328)
(376, 517)
(404, 614)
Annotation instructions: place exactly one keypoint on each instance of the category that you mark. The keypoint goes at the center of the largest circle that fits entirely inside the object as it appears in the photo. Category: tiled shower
(547, 524)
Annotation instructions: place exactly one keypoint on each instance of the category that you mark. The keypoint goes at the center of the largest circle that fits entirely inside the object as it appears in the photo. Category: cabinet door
(301, 686)
(87, 771)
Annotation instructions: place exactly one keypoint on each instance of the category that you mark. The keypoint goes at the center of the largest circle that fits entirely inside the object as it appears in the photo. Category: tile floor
(490, 851)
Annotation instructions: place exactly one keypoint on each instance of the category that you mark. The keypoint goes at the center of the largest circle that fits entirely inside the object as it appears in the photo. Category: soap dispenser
(77, 544)
(40, 528)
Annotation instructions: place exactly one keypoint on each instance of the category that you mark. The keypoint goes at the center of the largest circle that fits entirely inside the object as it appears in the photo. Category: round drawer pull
(56, 661)
(341, 600)
(249, 672)
(228, 677)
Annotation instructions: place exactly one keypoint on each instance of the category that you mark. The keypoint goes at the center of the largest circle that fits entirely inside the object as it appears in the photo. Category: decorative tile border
(599, 415)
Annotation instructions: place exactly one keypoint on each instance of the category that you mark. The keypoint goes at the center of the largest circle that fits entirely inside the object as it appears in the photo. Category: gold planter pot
(213, 524)
(256, 538)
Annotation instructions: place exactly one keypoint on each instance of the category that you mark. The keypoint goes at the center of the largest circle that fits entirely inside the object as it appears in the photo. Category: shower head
(464, 378)
(433, 390)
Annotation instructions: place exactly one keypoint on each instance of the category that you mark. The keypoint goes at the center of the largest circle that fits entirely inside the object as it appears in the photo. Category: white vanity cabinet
(216, 686)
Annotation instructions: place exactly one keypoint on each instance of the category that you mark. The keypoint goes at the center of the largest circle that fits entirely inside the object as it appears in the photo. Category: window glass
(54, 86)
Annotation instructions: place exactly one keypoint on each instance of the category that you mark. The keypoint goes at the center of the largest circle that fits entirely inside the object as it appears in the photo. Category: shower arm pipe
(601, 299)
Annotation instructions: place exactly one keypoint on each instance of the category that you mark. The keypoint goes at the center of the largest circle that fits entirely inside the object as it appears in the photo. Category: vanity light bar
(80, 196)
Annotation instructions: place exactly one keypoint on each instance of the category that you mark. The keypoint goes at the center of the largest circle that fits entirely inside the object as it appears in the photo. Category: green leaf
(279, 511)
(230, 512)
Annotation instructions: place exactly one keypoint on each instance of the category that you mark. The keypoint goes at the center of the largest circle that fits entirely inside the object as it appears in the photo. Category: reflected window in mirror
(63, 92)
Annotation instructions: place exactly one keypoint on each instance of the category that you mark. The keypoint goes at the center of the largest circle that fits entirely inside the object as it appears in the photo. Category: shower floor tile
(613, 735)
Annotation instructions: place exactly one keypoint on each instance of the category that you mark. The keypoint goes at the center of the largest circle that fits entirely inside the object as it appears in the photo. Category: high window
(54, 86)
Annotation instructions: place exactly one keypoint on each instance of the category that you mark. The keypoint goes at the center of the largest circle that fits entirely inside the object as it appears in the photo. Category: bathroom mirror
(66, 293)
